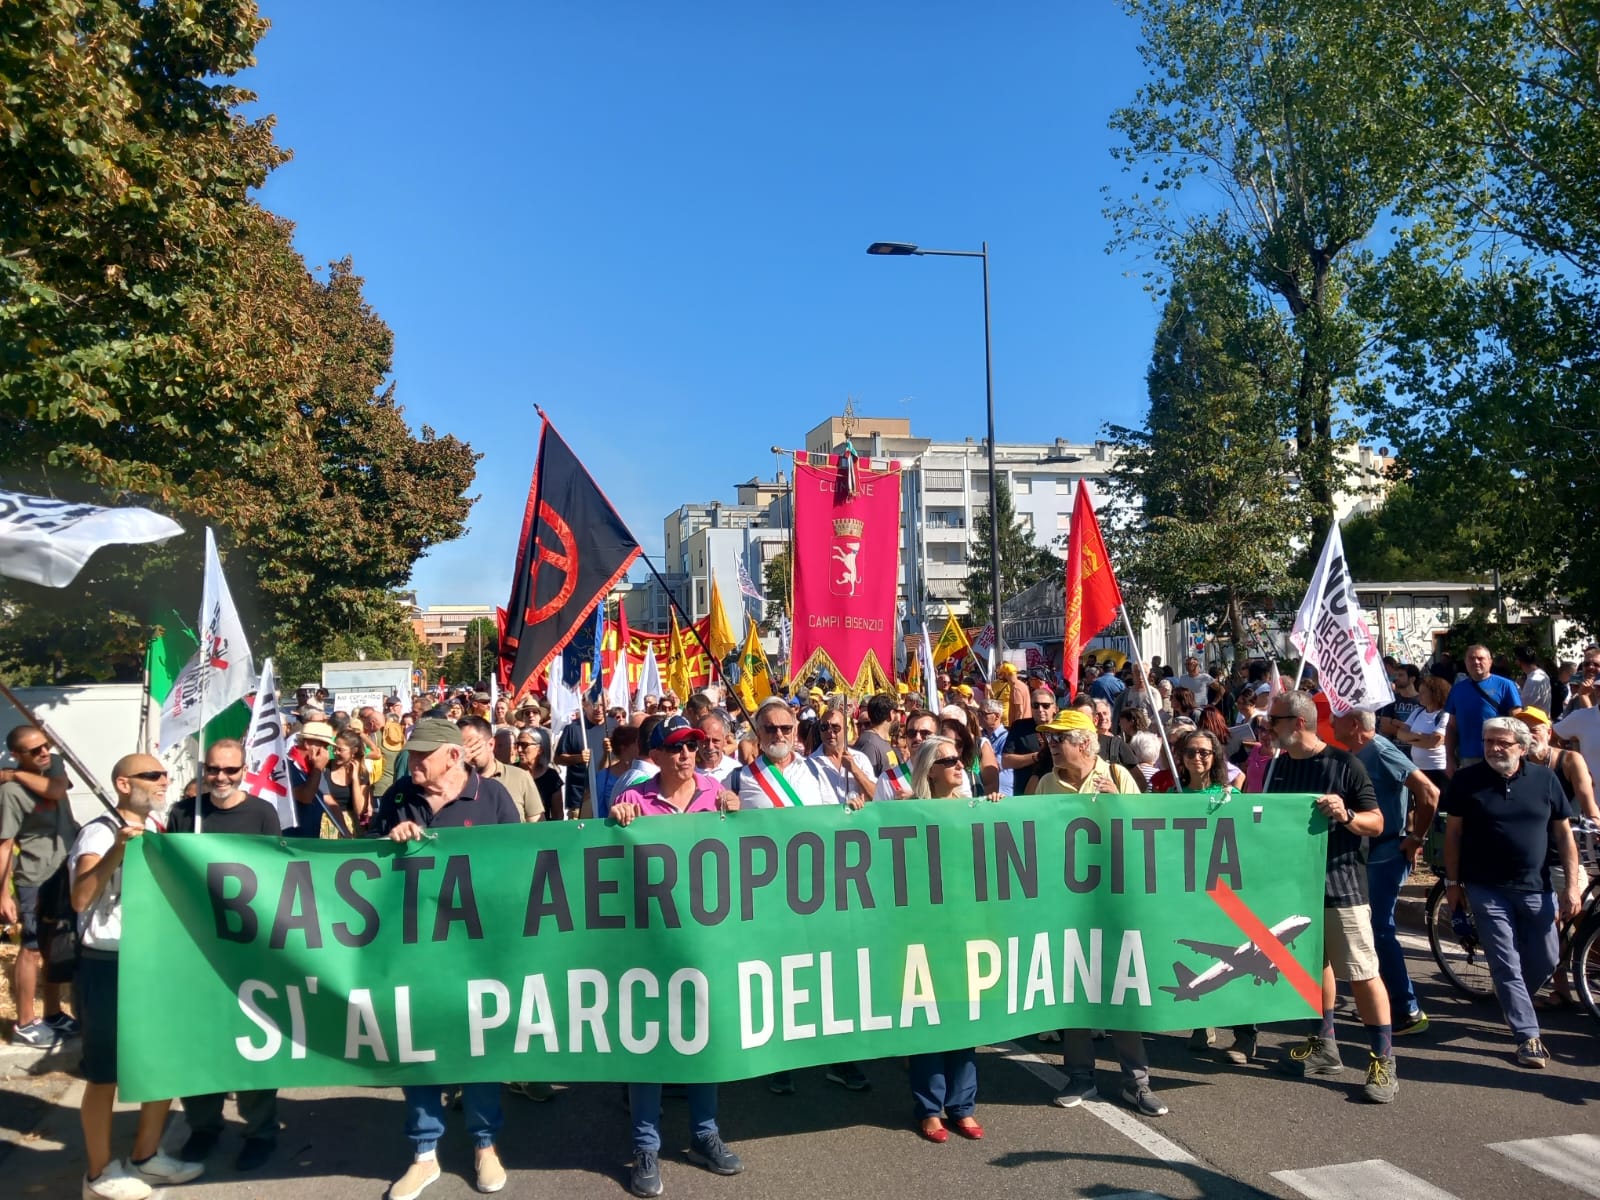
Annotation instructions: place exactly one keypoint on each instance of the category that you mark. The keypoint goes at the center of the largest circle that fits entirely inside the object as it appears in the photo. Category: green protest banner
(706, 948)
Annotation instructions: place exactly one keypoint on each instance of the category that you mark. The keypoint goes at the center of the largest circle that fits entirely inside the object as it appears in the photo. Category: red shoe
(969, 1128)
(934, 1131)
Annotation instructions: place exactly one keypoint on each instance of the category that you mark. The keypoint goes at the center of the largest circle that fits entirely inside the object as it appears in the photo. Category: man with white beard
(1504, 817)
(780, 777)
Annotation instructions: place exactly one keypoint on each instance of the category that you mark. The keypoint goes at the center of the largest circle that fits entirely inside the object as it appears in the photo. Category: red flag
(1093, 596)
(623, 638)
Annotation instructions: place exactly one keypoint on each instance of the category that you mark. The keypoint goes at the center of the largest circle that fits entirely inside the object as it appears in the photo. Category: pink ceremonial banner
(846, 569)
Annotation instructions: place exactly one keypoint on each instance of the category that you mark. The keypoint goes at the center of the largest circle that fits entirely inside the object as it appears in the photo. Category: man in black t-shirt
(225, 808)
(1345, 796)
(1023, 753)
(582, 743)
(1506, 820)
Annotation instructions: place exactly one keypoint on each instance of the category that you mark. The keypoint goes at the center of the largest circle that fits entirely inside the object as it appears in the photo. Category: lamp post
(898, 249)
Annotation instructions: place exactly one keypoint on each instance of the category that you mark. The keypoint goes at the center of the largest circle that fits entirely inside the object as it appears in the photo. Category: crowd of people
(1507, 763)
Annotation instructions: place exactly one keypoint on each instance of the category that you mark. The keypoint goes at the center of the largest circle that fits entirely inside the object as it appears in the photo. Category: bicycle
(1452, 936)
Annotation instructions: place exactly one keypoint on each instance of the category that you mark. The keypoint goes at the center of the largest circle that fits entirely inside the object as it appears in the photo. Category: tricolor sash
(771, 781)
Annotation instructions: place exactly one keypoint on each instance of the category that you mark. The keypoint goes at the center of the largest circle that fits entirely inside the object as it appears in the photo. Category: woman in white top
(1424, 730)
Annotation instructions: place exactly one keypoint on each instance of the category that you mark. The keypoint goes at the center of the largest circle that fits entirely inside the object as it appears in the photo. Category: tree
(777, 578)
(1210, 510)
(1300, 131)
(462, 664)
(1023, 562)
(161, 341)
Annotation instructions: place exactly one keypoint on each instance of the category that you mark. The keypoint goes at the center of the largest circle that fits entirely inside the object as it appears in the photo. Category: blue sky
(652, 221)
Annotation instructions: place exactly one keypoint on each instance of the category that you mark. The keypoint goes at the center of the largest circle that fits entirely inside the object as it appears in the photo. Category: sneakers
(115, 1183)
(67, 1026)
(781, 1084)
(710, 1153)
(254, 1154)
(491, 1175)
(1202, 1040)
(36, 1033)
(850, 1077)
(418, 1176)
(1314, 1056)
(1532, 1053)
(539, 1093)
(1142, 1100)
(646, 1179)
(1079, 1089)
(1382, 1083)
(1242, 1050)
(1415, 1022)
(198, 1147)
(162, 1170)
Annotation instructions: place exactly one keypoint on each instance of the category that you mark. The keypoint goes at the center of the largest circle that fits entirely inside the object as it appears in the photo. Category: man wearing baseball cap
(675, 789)
(440, 791)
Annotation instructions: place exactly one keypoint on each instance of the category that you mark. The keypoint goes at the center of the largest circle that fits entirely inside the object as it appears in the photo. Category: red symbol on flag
(265, 780)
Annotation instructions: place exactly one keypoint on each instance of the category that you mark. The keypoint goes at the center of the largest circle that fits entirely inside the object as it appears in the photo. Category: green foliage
(461, 665)
(1406, 538)
(776, 585)
(1023, 562)
(1210, 512)
(1294, 125)
(162, 342)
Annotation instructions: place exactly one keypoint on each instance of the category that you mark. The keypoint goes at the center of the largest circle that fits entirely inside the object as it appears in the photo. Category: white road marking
(1415, 941)
(1360, 1181)
(1573, 1158)
(1125, 1123)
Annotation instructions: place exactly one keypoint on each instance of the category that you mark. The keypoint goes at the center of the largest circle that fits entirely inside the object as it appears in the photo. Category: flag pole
(685, 622)
(1155, 704)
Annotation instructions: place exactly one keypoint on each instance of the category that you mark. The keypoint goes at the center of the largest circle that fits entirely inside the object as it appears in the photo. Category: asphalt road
(1232, 1132)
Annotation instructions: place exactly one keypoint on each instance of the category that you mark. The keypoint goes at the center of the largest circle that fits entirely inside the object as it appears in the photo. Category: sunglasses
(948, 761)
(683, 748)
(41, 748)
(1198, 754)
(214, 770)
(1055, 739)
(916, 735)
(833, 729)
(776, 730)
(148, 776)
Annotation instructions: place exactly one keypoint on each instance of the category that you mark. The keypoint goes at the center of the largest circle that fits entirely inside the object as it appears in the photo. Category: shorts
(95, 989)
(1347, 944)
(28, 915)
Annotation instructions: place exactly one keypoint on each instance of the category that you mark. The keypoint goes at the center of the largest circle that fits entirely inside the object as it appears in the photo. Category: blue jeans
(944, 1083)
(1517, 931)
(480, 1103)
(1387, 871)
(644, 1102)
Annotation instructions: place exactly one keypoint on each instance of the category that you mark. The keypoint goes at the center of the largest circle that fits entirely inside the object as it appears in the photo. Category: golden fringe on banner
(871, 678)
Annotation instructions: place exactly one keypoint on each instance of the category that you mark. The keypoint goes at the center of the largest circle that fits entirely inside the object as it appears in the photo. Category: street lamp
(901, 249)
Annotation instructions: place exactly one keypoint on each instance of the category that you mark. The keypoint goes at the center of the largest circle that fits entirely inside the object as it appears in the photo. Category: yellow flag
(755, 677)
(952, 640)
(677, 679)
(719, 634)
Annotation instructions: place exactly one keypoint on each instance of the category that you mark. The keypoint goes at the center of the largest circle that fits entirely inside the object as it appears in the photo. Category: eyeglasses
(776, 730)
(526, 745)
(148, 776)
(1276, 717)
(833, 729)
(1498, 745)
(1197, 753)
(948, 761)
(683, 748)
(1055, 739)
(41, 748)
(212, 769)
(916, 735)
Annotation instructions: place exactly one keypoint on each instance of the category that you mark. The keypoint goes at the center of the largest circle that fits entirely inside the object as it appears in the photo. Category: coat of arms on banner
(845, 577)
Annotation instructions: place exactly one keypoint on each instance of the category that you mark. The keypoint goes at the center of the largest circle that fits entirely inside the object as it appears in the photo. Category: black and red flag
(574, 549)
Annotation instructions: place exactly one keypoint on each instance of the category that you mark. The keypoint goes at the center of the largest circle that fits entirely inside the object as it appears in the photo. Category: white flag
(220, 671)
(266, 753)
(617, 695)
(46, 541)
(930, 682)
(1333, 637)
(649, 676)
(564, 705)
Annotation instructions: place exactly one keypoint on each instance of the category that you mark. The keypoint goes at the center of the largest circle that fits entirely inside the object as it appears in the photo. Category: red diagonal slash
(1266, 942)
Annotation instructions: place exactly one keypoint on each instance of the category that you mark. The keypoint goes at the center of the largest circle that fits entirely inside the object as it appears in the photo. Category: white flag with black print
(1332, 636)
(266, 752)
(46, 541)
(221, 671)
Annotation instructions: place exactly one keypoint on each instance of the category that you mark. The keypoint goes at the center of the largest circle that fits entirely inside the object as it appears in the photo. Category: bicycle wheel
(1460, 958)
(1584, 971)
